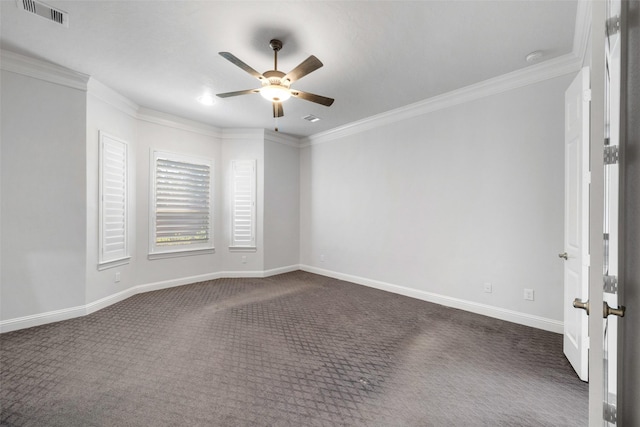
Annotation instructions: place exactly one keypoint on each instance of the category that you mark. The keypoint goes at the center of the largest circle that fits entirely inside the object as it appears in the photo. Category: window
(181, 205)
(113, 239)
(243, 209)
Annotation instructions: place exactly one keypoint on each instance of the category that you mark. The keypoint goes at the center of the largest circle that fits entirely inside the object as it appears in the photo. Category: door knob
(606, 310)
(564, 255)
(583, 305)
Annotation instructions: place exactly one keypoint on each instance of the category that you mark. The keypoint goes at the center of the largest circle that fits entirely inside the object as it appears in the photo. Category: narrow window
(243, 207)
(113, 201)
(181, 205)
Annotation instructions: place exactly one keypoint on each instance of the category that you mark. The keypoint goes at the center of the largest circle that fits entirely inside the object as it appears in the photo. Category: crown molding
(263, 135)
(169, 120)
(41, 70)
(111, 97)
(281, 138)
(555, 67)
(124, 104)
(243, 133)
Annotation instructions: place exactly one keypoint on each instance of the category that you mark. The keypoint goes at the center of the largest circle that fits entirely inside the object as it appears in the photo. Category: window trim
(105, 138)
(161, 252)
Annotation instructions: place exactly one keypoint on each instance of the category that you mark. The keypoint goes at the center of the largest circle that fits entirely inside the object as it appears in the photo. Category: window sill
(243, 249)
(114, 263)
(189, 252)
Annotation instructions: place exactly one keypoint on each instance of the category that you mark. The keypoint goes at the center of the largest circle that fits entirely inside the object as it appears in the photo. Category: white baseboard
(550, 325)
(41, 318)
(94, 306)
(78, 311)
(256, 273)
(281, 270)
(474, 307)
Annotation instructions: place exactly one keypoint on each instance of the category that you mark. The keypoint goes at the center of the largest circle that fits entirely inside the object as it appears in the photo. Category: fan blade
(232, 58)
(312, 97)
(239, 92)
(307, 66)
(277, 109)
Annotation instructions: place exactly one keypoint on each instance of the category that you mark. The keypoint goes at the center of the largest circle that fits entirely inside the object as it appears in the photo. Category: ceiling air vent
(44, 10)
(311, 118)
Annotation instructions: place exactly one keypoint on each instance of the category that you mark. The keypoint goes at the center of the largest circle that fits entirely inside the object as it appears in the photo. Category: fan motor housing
(274, 77)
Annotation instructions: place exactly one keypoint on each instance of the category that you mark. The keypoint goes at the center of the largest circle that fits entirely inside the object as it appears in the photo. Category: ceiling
(377, 55)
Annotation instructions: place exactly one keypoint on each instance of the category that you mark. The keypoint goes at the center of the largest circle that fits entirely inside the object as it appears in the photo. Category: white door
(576, 222)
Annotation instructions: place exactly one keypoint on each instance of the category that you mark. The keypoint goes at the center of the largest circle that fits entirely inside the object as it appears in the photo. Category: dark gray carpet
(291, 350)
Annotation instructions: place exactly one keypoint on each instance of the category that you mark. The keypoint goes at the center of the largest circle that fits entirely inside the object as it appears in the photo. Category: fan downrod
(276, 45)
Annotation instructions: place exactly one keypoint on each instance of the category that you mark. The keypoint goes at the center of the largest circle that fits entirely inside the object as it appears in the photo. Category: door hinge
(611, 154)
(610, 284)
(610, 413)
(613, 25)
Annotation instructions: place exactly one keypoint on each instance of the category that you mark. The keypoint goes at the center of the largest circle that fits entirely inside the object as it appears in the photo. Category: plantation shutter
(243, 221)
(182, 203)
(113, 200)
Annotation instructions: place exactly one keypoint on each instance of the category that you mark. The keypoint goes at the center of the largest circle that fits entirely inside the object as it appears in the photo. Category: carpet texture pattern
(296, 349)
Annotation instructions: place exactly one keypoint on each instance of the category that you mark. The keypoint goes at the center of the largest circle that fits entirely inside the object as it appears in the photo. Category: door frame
(596, 213)
(629, 357)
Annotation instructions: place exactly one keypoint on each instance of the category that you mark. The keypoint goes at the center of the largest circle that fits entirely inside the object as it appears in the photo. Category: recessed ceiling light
(534, 56)
(206, 99)
(311, 118)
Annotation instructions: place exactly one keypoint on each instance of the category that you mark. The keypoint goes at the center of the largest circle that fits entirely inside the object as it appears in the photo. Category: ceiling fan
(276, 85)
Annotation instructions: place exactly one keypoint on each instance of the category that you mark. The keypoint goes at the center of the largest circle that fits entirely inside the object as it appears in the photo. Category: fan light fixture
(276, 85)
(275, 93)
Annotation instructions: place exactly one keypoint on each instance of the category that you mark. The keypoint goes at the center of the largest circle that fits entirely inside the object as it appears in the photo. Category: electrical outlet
(487, 288)
(244, 259)
(528, 294)
(117, 279)
(322, 258)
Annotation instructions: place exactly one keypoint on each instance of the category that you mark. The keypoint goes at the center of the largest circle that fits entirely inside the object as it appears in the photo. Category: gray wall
(281, 204)
(49, 206)
(43, 196)
(629, 408)
(439, 204)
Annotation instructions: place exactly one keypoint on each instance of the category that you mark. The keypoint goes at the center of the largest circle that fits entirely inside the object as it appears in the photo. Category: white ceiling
(377, 55)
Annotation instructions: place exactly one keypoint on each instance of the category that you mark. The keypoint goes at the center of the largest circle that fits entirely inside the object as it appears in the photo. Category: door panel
(576, 224)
